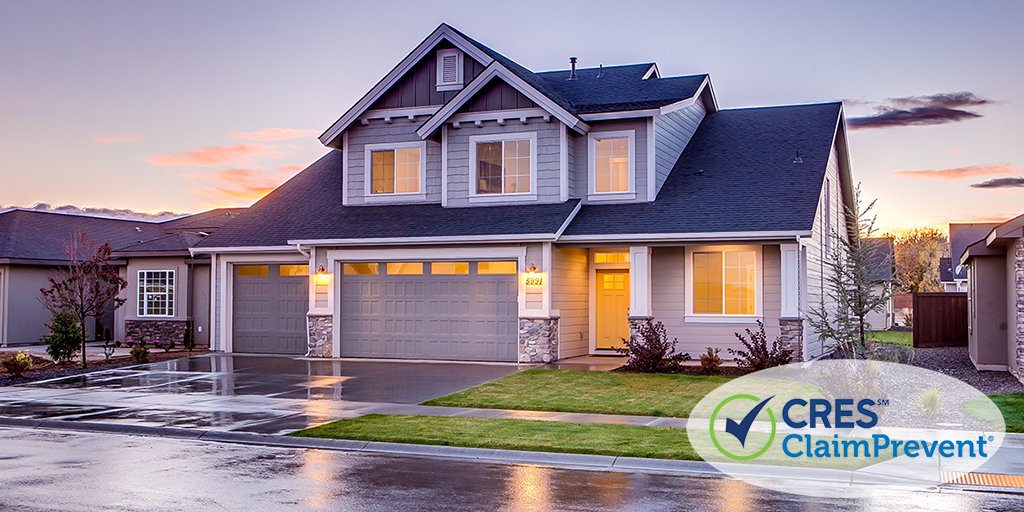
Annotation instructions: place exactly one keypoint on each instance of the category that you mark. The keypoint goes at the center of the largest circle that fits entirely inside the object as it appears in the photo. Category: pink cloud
(116, 139)
(273, 134)
(228, 187)
(218, 155)
(956, 174)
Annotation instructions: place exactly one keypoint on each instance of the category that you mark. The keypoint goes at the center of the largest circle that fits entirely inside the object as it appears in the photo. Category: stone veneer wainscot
(538, 340)
(153, 330)
(321, 328)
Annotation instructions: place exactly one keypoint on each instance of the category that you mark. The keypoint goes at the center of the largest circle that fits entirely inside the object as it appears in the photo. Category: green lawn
(507, 434)
(588, 392)
(1012, 407)
(893, 337)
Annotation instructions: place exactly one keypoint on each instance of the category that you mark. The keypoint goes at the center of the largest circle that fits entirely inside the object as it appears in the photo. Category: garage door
(466, 311)
(270, 304)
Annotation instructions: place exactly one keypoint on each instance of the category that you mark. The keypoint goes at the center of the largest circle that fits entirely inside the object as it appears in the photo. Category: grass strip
(510, 434)
(893, 337)
(1012, 407)
(588, 392)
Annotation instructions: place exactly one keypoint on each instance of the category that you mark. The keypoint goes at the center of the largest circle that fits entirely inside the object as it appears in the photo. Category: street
(52, 470)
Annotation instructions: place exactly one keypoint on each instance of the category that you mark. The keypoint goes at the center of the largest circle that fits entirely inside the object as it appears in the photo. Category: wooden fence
(940, 320)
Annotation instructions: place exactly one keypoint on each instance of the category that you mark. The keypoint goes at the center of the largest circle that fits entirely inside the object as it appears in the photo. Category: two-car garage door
(465, 311)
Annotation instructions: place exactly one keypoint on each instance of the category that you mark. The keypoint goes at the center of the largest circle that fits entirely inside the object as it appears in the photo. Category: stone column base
(153, 330)
(793, 336)
(636, 322)
(538, 340)
(321, 332)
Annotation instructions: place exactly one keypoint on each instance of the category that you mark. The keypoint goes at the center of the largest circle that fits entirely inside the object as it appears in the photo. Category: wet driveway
(261, 394)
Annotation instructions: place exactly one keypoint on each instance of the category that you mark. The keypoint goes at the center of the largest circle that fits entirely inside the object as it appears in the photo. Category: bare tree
(87, 286)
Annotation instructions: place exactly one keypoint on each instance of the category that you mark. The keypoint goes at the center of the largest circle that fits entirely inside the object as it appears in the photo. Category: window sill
(451, 87)
(502, 198)
(723, 319)
(394, 198)
(611, 196)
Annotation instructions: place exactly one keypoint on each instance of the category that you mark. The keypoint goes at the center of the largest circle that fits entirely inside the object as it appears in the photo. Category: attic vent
(449, 70)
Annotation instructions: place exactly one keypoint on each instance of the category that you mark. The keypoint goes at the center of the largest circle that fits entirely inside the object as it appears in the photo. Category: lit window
(156, 293)
(253, 270)
(611, 165)
(449, 267)
(611, 257)
(613, 281)
(496, 267)
(503, 167)
(405, 269)
(293, 270)
(360, 269)
(724, 282)
(395, 171)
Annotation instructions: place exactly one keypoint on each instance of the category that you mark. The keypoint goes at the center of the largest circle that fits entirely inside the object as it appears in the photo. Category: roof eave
(687, 237)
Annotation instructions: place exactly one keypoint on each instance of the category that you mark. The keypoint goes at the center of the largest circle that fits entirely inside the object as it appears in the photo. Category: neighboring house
(884, 264)
(952, 274)
(32, 249)
(995, 297)
(471, 209)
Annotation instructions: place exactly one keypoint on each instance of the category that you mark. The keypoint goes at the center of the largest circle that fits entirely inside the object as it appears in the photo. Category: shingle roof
(204, 221)
(620, 88)
(962, 235)
(308, 206)
(748, 180)
(174, 242)
(946, 274)
(884, 258)
(36, 235)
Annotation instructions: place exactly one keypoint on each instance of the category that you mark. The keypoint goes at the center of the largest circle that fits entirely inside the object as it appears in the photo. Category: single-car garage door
(269, 309)
(466, 311)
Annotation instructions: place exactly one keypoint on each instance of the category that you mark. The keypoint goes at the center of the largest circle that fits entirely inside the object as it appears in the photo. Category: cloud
(956, 174)
(1013, 182)
(237, 185)
(116, 139)
(218, 155)
(110, 213)
(927, 110)
(273, 134)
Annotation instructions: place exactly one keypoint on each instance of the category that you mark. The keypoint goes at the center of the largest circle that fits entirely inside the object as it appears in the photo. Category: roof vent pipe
(572, 71)
(798, 160)
(600, 70)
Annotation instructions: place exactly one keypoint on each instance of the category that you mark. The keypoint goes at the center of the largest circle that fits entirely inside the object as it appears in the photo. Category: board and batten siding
(418, 88)
(462, 172)
(672, 132)
(581, 152)
(379, 132)
(570, 289)
(498, 95)
(814, 248)
(668, 303)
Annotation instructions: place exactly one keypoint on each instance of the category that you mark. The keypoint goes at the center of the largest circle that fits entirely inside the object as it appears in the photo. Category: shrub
(650, 351)
(18, 363)
(139, 352)
(108, 348)
(166, 345)
(65, 338)
(709, 361)
(758, 356)
(929, 403)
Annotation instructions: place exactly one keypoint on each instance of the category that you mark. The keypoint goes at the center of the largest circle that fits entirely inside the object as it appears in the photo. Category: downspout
(298, 247)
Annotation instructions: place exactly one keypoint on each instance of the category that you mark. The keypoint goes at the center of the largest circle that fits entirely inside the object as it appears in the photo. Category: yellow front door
(612, 308)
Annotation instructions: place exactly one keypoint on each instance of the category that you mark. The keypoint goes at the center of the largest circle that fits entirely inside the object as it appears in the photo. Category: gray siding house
(471, 209)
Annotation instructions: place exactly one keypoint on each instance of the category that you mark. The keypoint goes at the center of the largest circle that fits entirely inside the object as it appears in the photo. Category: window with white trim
(395, 169)
(449, 70)
(612, 162)
(156, 293)
(723, 282)
(504, 164)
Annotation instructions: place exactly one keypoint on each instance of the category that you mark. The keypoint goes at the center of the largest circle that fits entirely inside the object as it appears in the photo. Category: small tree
(87, 286)
(853, 272)
(917, 259)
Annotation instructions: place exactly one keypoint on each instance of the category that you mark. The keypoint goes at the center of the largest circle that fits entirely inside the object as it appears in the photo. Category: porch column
(320, 317)
(791, 324)
(639, 287)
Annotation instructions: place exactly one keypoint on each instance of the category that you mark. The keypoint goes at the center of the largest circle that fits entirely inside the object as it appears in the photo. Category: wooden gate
(940, 320)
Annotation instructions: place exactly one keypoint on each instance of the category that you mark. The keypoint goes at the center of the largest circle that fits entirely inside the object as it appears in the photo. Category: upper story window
(449, 70)
(156, 293)
(724, 282)
(395, 168)
(504, 164)
(612, 165)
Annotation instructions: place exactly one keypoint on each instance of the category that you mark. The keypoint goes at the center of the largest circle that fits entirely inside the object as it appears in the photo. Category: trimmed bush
(758, 356)
(65, 338)
(650, 351)
(709, 361)
(18, 363)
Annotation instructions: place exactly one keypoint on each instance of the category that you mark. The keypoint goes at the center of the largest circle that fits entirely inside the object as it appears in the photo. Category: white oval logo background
(845, 427)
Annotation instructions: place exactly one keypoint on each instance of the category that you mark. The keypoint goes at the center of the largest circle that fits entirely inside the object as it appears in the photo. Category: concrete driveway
(261, 394)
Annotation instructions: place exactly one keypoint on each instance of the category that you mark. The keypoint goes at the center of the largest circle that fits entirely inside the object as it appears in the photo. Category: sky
(184, 106)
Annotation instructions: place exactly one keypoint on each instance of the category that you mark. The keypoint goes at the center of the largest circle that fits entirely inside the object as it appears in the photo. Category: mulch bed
(44, 369)
(956, 362)
(696, 371)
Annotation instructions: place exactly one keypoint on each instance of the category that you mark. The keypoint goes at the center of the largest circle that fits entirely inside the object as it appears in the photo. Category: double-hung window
(504, 164)
(612, 164)
(394, 169)
(724, 282)
(156, 293)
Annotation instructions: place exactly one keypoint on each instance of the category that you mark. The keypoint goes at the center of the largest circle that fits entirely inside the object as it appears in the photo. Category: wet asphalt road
(42, 470)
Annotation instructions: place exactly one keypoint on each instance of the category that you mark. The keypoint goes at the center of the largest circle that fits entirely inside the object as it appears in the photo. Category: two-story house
(471, 209)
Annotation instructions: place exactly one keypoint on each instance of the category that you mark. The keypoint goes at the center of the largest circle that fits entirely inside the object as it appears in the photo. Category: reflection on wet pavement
(255, 394)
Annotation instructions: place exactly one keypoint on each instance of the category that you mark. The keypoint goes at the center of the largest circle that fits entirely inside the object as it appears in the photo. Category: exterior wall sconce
(322, 277)
(532, 277)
